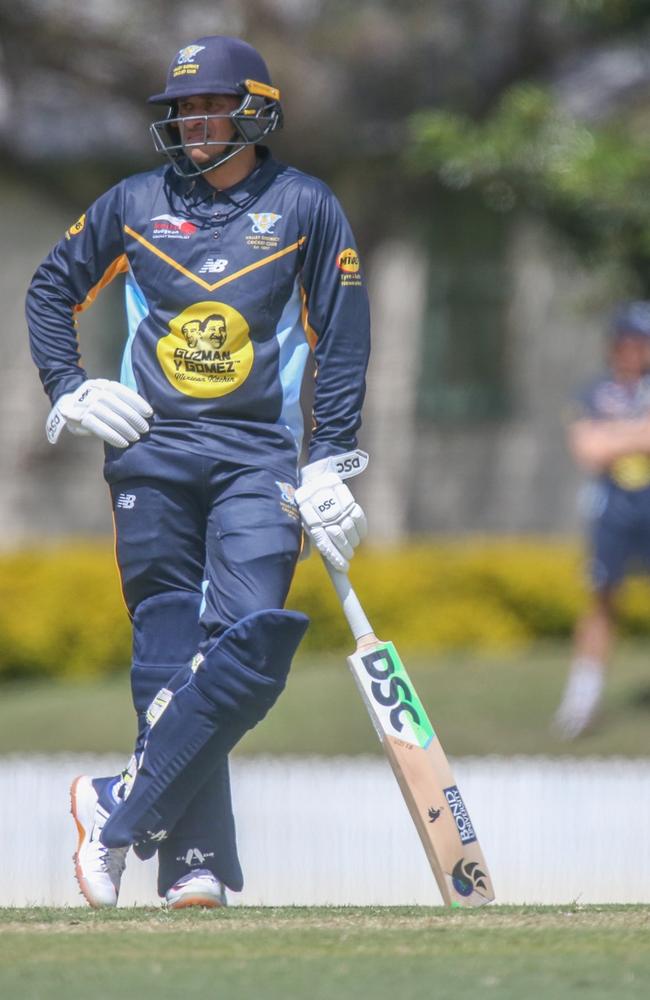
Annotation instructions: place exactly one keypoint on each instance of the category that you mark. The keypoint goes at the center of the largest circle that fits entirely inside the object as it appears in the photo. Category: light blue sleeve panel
(136, 311)
(294, 351)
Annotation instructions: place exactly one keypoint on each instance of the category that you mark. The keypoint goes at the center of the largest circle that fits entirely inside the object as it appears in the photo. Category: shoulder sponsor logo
(171, 227)
(76, 229)
(263, 222)
(126, 501)
(348, 264)
(348, 261)
(213, 265)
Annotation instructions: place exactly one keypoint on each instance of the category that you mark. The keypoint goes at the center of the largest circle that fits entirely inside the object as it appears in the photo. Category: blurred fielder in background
(610, 439)
(235, 266)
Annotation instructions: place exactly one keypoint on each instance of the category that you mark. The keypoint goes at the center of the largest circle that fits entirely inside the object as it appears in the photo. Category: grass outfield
(510, 953)
(478, 705)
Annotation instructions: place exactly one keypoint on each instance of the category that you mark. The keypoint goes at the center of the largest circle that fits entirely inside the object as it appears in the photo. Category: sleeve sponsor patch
(77, 227)
(348, 264)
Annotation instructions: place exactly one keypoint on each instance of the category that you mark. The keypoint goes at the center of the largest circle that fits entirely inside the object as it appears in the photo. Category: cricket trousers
(200, 544)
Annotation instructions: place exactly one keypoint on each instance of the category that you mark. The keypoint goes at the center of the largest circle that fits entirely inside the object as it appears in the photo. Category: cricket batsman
(609, 437)
(236, 266)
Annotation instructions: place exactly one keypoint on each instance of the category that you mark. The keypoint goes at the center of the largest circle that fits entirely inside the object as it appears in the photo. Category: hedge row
(62, 614)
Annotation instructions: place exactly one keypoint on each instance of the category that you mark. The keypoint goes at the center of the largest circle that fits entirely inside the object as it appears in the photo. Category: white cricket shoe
(197, 888)
(580, 702)
(98, 869)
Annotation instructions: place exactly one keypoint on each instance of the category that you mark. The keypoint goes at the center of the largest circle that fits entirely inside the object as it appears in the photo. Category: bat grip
(356, 616)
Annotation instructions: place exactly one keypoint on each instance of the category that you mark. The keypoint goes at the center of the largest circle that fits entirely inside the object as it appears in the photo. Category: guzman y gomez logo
(208, 351)
(170, 227)
(460, 814)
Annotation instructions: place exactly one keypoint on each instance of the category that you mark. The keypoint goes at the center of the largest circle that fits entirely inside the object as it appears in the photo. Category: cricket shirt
(226, 294)
(616, 503)
(605, 398)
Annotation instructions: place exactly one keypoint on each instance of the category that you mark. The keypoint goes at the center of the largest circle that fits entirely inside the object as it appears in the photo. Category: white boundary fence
(336, 831)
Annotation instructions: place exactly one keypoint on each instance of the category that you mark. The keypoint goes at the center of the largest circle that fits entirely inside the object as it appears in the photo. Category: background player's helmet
(217, 64)
(631, 318)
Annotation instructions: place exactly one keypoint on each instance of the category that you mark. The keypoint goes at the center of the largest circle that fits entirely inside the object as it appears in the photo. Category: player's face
(630, 355)
(197, 129)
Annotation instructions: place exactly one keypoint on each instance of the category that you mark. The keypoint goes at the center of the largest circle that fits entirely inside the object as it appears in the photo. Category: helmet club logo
(169, 227)
(208, 351)
(185, 61)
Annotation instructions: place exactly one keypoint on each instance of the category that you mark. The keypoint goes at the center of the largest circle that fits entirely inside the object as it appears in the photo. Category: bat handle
(356, 616)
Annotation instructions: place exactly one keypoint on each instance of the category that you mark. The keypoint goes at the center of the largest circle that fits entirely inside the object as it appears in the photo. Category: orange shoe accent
(208, 904)
(81, 882)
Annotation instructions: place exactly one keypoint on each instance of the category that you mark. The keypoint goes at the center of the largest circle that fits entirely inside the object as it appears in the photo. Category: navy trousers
(200, 544)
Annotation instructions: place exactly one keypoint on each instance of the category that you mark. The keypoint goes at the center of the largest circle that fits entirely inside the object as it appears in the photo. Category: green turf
(478, 705)
(403, 953)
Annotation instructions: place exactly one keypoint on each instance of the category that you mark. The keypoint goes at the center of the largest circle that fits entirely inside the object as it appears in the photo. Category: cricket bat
(418, 761)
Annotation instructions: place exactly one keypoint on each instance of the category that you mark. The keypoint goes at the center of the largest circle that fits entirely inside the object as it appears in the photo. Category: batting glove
(333, 520)
(109, 410)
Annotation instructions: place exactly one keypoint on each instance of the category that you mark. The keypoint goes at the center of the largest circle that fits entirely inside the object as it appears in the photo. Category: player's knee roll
(242, 673)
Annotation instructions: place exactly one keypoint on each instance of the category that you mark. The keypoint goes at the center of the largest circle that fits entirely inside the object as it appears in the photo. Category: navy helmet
(631, 319)
(217, 64)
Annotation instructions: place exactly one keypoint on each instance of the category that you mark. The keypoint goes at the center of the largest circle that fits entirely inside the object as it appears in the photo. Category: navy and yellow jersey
(226, 293)
(605, 398)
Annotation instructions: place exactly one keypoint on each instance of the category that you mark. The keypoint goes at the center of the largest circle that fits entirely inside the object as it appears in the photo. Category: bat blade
(424, 775)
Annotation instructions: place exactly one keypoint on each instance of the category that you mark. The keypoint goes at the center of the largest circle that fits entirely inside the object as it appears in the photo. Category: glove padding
(109, 410)
(333, 519)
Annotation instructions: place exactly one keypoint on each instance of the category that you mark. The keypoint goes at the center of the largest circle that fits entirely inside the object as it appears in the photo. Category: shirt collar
(199, 190)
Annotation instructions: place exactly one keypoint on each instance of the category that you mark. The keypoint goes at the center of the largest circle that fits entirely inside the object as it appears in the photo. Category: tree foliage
(592, 182)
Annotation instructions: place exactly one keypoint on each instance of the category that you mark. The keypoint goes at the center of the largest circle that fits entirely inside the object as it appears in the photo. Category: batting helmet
(217, 64)
(631, 318)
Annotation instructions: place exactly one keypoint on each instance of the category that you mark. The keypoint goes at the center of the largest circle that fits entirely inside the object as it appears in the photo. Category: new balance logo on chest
(213, 265)
(125, 501)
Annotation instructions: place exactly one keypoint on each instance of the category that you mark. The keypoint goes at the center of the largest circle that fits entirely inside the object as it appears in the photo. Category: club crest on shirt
(262, 235)
(263, 222)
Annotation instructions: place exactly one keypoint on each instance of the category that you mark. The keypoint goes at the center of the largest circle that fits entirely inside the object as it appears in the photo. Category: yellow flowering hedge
(62, 614)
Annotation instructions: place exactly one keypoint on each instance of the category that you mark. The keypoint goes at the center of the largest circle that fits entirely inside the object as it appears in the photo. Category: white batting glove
(332, 518)
(107, 409)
